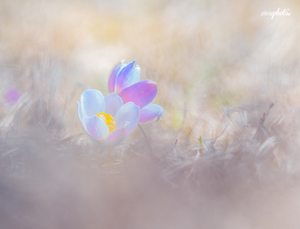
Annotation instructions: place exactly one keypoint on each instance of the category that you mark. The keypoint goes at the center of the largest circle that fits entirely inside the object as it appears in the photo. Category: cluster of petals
(128, 103)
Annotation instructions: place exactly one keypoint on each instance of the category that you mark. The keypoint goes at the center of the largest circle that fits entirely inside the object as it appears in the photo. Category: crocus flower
(125, 80)
(116, 115)
(12, 96)
(107, 117)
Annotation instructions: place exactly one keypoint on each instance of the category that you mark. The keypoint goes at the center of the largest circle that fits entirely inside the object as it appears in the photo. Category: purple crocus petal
(150, 112)
(127, 117)
(127, 76)
(12, 96)
(113, 103)
(141, 93)
(113, 76)
(91, 102)
(95, 127)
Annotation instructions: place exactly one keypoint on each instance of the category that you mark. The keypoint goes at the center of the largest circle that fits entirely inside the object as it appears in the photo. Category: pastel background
(225, 153)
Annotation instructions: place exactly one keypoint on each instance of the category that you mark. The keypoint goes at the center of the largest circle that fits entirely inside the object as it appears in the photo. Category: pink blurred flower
(12, 96)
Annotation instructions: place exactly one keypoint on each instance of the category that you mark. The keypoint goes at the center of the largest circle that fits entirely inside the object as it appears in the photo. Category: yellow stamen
(108, 119)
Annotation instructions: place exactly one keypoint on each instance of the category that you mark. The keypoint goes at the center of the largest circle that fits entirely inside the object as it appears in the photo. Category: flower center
(108, 119)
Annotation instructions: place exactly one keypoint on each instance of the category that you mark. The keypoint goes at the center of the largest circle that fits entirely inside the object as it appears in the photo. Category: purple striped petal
(141, 93)
(113, 102)
(150, 112)
(128, 117)
(127, 76)
(91, 102)
(113, 76)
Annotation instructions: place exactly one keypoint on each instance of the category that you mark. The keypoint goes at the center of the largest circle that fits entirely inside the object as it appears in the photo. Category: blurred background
(207, 57)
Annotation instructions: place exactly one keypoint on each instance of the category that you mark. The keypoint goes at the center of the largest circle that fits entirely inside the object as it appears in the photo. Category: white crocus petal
(113, 103)
(95, 127)
(151, 112)
(133, 78)
(127, 117)
(116, 136)
(91, 102)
